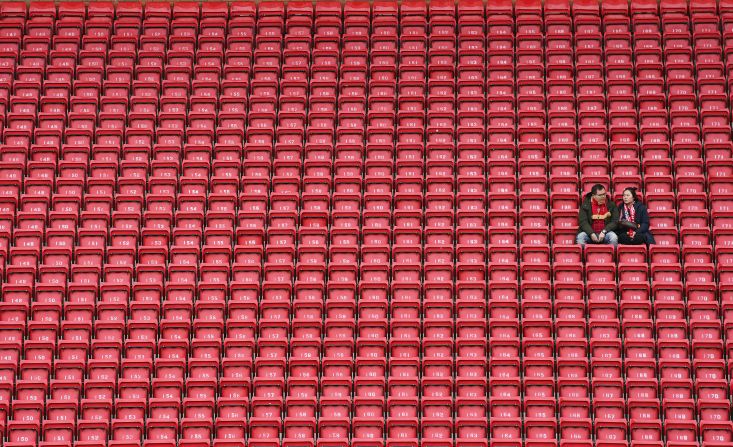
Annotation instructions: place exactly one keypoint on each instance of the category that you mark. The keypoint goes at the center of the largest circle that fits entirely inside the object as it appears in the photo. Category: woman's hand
(633, 234)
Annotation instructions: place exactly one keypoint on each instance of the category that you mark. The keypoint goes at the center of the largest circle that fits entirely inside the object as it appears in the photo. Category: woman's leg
(639, 239)
(624, 239)
(649, 238)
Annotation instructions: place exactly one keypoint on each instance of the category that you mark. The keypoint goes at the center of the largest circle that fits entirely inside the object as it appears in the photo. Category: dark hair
(597, 187)
(632, 190)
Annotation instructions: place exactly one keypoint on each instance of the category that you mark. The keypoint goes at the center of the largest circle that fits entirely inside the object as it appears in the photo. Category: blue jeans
(584, 238)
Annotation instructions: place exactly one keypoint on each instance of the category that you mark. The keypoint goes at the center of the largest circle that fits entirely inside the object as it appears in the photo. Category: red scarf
(598, 209)
(630, 215)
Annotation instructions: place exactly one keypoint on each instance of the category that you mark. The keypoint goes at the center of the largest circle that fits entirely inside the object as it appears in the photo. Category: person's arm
(613, 222)
(644, 221)
(583, 221)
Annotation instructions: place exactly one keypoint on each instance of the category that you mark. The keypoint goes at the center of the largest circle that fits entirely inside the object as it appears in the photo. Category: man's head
(598, 192)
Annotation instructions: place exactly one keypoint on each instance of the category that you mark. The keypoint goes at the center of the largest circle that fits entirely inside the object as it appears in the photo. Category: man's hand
(594, 237)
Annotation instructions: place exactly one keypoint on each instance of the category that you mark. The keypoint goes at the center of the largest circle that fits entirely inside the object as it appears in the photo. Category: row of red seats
(196, 10)
(435, 431)
(408, 185)
(468, 268)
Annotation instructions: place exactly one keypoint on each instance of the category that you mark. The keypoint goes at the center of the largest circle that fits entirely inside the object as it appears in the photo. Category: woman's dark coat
(641, 219)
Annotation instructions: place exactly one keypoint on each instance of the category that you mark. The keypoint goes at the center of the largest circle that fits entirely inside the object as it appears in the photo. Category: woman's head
(629, 196)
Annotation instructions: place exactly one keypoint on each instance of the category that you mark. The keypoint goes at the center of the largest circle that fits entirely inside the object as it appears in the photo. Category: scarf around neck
(630, 215)
(598, 209)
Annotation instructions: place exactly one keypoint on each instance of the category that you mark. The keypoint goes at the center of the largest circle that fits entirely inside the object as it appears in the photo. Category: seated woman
(633, 227)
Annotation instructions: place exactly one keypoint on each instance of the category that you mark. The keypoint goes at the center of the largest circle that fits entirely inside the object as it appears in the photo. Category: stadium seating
(353, 224)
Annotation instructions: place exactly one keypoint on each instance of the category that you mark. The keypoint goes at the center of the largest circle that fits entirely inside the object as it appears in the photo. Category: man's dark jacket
(585, 216)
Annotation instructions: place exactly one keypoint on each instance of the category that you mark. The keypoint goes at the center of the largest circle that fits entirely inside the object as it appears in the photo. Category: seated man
(598, 218)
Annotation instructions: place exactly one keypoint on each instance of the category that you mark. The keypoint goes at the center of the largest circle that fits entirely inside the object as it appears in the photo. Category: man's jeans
(611, 238)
